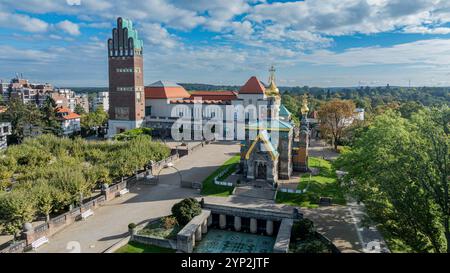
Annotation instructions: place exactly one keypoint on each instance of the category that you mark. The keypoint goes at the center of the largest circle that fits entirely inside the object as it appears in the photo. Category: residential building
(102, 100)
(70, 121)
(5, 131)
(67, 98)
(27, 92)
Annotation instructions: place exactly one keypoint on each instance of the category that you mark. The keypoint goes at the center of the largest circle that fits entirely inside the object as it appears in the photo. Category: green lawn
(134, 247)
(322, 185)
(209, 188)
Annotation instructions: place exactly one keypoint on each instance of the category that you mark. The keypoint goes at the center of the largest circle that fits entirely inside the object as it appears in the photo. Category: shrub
(131, 226)
(312, 246)
(185, 210)
(303, 229)
(169, 222)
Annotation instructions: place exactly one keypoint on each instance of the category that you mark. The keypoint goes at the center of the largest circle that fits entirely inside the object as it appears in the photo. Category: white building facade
(5, 131)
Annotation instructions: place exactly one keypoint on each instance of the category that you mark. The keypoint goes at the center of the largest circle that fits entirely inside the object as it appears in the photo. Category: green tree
(79, 109)
(16, 209)
(44, 195)
(432, 162)
(49, 112)
(24, 118)
(334, 117)
(93, 120)
(393, 169)
(185, 210)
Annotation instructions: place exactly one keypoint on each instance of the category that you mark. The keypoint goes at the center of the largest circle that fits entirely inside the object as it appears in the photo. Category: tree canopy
(47, 174)
(399, 168)
(334, 117)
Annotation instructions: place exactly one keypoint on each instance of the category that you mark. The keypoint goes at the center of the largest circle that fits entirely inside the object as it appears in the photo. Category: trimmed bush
(303, 229)
(312, 245)
(185, 210)
(169, 222)
(131, 226)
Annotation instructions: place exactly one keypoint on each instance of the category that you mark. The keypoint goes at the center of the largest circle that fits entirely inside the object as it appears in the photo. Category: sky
(312, 42)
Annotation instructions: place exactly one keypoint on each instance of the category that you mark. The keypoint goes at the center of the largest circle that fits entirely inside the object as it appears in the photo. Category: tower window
(148, 110)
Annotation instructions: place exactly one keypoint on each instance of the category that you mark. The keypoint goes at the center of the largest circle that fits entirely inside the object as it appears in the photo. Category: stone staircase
(255, 192)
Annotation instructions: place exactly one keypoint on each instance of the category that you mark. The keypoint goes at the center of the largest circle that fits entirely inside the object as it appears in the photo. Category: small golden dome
(305, 108)
(272, 90)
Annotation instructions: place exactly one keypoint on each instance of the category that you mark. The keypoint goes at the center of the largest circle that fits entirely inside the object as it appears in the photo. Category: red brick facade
(126, 79)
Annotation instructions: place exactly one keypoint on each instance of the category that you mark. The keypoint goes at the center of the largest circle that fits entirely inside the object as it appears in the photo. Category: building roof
(284, 112)
(192, 101)
(214, 95)
(252, 86)
(132, 33)
(263, 137)
(165, 90)
(68, 114)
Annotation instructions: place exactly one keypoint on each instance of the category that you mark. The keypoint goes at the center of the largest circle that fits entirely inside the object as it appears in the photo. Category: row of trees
(399, 167)
(46, 175)
(338, 120)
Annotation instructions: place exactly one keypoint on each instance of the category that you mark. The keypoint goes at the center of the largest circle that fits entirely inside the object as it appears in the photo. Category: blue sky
(312, 42)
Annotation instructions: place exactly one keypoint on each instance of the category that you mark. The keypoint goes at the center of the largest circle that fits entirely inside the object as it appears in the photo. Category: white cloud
(155, 34)
(342, 17)
(427, 30)
(23, 22)
(14, 55)
(434, 52)
(69, 27)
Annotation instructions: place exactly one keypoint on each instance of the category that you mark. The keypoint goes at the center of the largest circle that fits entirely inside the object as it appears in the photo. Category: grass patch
(209, 188)
(324, 184)
(135, 247)
(158, 230)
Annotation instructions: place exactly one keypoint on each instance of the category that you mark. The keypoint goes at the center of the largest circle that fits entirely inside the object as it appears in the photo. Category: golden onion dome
(272, 90)
(305, 108)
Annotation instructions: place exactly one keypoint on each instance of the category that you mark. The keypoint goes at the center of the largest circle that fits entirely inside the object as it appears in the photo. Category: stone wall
(265, 214)
(60, 222)
(193, 232)
(149, 240)
(284, 236)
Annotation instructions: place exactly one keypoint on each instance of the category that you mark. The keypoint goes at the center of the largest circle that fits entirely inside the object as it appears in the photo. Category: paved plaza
(144, 202)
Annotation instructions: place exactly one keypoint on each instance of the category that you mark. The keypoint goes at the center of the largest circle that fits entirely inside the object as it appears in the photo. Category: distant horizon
(234, 85)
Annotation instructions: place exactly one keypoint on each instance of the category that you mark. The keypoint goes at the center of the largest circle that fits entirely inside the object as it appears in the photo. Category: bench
(87, 214)
(325, 201)
(124, 191)
(39, 242)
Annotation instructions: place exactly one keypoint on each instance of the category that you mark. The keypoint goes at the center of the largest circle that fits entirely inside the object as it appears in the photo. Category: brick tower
(126, 79)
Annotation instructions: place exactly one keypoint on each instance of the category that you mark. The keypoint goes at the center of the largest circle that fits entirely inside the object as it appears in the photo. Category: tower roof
(284, 112)
(165, 90)
(125, 40)
(270, 125)
(132, 33)
(272, 89)
(252, 86)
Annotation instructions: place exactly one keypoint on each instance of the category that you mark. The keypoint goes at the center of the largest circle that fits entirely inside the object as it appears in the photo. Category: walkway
(144, 202)
(344, 224)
